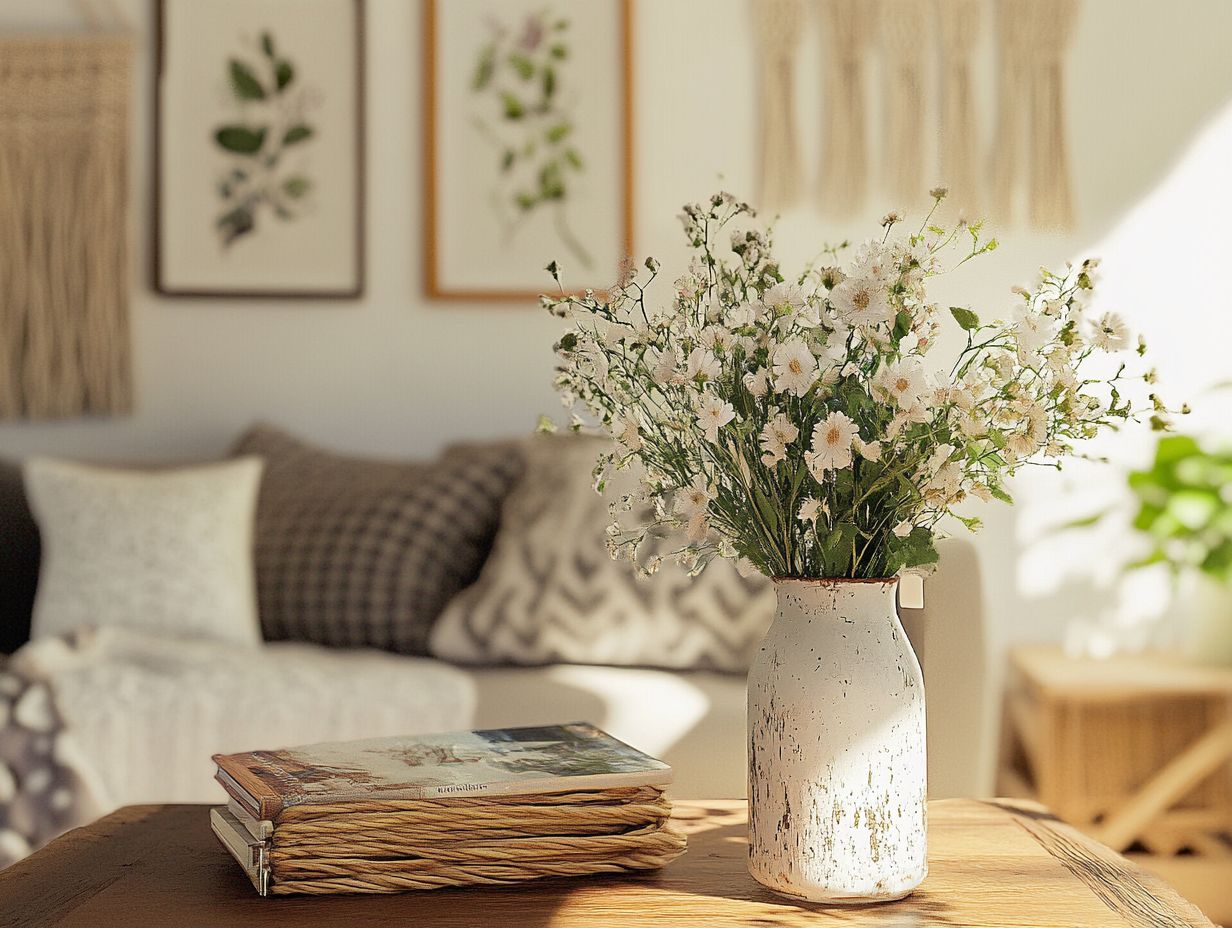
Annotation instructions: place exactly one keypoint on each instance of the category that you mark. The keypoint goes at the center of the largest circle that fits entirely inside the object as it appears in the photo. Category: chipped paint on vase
(837, 778)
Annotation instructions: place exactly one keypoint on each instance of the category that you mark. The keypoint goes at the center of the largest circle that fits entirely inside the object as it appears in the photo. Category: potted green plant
(1184, 503)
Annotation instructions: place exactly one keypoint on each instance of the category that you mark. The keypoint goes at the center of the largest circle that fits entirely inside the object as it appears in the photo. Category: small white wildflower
(831, 446)
(795, 368)
(712, 414)
(702, 365)
(775, 437)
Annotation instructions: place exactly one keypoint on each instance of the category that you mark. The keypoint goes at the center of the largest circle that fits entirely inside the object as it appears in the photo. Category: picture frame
(514, 179)
(259, 149)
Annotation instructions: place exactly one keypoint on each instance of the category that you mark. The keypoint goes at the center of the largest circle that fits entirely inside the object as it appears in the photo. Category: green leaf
(240, 139)
(522, 65)
(267, 44)
(559, 131)
(999, 492)
(574, 159)
(549, 82)
(284, 73)
(297, 133)
(965, 318)
(296, 186)
(514, 108)
(902, 325)
(244, 83)
(484, 69)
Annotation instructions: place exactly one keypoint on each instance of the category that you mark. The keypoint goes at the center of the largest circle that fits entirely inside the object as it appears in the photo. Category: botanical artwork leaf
(244, 83)
(240, 139)
(522, 114)
(264, 148)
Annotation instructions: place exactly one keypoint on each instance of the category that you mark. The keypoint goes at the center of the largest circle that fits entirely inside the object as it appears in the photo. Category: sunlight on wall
(1165, 269)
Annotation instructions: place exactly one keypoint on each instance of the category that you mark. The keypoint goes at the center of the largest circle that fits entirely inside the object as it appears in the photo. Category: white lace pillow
(160, 551)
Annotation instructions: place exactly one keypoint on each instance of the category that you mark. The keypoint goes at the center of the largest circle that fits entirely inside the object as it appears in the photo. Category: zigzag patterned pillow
(549, 592)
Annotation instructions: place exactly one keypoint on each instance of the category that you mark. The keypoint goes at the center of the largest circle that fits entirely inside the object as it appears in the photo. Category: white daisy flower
(1032, 331)
(757, 382)
(693, 499)
(782, 299)
(775, 437)
(666, 367)
(812, 509)
(795, 368)
(870, 451)
(862, 301)
(831, 448)
(702, 365)
(903, 382)
(1110, 332)
(713, 414)
(742, 315)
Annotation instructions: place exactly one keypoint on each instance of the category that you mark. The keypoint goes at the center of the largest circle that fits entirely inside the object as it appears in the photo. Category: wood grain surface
(995, 864)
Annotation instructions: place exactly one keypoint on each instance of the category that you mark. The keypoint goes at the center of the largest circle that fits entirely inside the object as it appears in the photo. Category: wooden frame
(359, 241)
(431, 255)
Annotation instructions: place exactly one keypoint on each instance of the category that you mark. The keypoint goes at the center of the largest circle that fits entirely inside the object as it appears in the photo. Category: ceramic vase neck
(855, 599)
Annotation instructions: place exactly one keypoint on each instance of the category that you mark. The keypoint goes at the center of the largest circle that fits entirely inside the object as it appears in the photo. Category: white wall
(393, 373)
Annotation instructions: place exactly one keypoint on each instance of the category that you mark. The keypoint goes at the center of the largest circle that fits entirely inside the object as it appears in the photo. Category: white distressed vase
(837, 776)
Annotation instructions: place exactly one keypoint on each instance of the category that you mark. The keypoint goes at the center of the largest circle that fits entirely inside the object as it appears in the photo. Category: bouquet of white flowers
(802, 424)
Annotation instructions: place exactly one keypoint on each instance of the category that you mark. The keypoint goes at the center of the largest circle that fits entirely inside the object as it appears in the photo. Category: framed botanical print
(528, 157)
(259, 148)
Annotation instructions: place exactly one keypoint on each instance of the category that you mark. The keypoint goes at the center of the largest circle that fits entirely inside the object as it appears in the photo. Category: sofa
(125, 717)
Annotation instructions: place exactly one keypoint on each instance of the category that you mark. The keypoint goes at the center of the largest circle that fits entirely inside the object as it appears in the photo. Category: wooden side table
(1136, 751)
(994, 864)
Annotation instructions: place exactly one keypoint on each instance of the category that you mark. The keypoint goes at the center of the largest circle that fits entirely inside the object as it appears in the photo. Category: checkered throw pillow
(358, 552)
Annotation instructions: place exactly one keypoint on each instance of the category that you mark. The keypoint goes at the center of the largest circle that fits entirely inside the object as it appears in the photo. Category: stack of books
(458, 809)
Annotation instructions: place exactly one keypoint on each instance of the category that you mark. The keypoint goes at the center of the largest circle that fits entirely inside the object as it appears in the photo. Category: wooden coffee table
(991, 864)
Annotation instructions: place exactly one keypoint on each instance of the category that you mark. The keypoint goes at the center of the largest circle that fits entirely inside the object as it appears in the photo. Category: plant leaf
(297, 133)
(284, 73)
(241, 139)
(244, 83)
(296, 186)
(267, 44)
(965, 317)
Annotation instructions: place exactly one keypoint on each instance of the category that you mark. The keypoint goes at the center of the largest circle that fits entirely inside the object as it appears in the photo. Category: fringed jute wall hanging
(64, 259)
(778, 25)
(904, 39)
(848, 27)
(1030, 151)
(958, 22)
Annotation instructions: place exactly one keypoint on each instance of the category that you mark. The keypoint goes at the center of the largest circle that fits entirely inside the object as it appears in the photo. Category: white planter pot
(837, 776)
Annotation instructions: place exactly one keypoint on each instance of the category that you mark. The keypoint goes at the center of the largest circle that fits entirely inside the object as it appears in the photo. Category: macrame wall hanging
(921, 45)
(847, 29)
(1030, 152)
(64, 260)
(958, 23)
(778, 24)
(905, 36)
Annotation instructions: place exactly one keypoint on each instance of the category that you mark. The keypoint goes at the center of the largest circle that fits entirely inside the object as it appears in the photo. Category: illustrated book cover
(508, 761)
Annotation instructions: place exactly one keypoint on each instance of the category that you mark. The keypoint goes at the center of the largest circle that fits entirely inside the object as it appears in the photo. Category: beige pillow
(162, 551)
(550, 593)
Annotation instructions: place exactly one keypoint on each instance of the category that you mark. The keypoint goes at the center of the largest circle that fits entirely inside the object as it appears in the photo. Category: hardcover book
(508, 761)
